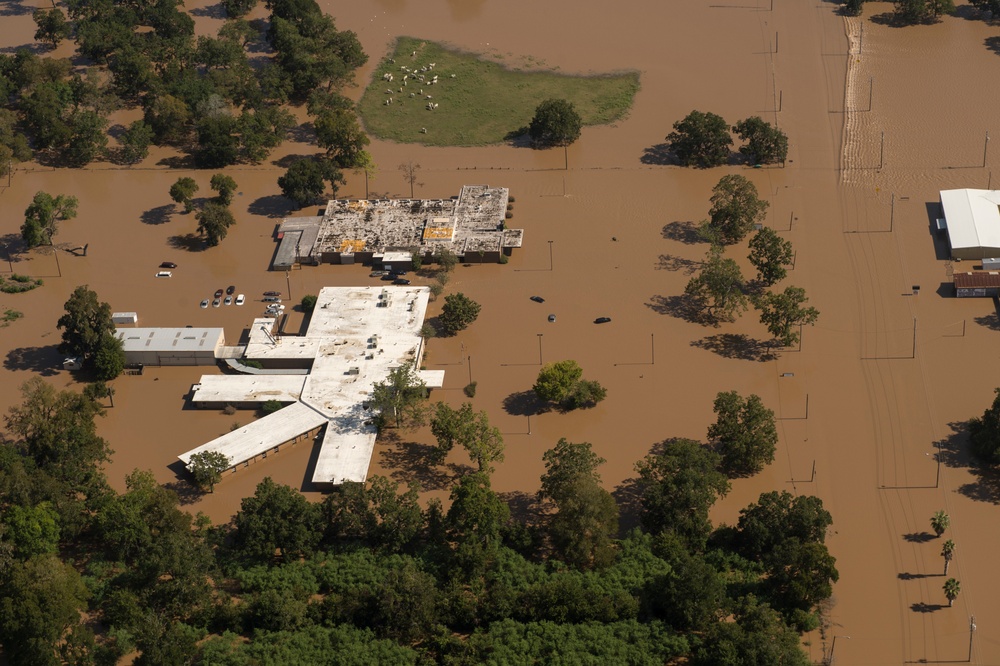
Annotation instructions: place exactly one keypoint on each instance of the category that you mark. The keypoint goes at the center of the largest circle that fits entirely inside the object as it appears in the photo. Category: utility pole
(972, 631)
(881, 152)
(986, 145)
(539, 349)
(892, 211)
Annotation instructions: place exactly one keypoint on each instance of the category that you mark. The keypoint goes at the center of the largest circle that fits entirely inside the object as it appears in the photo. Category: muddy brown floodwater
(866, 401)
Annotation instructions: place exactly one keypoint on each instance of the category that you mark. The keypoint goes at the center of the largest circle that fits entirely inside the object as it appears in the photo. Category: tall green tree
(701, 139)
(769, 254)
(276, 520)
(170, 118)
(43, 215)
(716, 293)
(88, 139)
(470, 430)
(680, 483)
(400, 397)
(135, 142)
(305, 180)
(376, 514)
(109, 359)
(85, 325)
(951, 589)
(475, 523)
(40, 599)
(207, 468)
(556, 123)
(183, 192)
(922, 11)
(556, 381)
(340, 135)
(781, 313)
(984, 433)
(52, 26)
(765, 143)
(745, 433)
(757, 637)
(777, 517)
(948, 553)
(225, 187)
(458, 313)
(214, 220)
(32, 530)
(940, 522)
(735, 210)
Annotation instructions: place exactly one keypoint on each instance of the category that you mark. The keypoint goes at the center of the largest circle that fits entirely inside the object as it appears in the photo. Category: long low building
(171, 346)
(972, 221)
(356, 335)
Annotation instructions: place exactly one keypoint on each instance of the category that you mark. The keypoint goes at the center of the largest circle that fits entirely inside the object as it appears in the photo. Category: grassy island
(450, 98)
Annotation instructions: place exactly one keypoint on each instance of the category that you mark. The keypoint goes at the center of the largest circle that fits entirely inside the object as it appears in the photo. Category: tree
(237, 8)
(735, 210)
(446, 259)
(276, 519)
(680, 483)
(922, 11)
(458, 312)
(170, 119)
(854, 7)
(40, 599)
(470, 430)
(87, 139)
(556, 381)
(377, 515)
(765, 143)
(586, 520)
(745, 433)
(769, 254)
(984, 433)
(716, 293)
(691, 597)
(340, 135)
(556, 123)
(992, 6)
(309, 302)
(475, 522)
(86, 324)
(951, 589)
(781, 313)
(32, 530)
(777, 517)
(225, 186)
(183, 192)
(800, 574)
(109, 359)
(305, 181)
(947, 552)
(217, 131)
(135, 142)
(207, 468)
(214, 221)
(400, 397)
(42, 217)
(701, 139)
(758, 637)
(52, 26)
(410, 170)
(940, 522)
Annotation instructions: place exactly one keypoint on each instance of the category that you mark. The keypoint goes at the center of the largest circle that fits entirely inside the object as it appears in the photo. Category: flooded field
(870, 399)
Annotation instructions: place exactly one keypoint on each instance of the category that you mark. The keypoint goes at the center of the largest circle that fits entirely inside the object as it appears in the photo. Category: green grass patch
(479, 102)
(9, 316)
(15, 284)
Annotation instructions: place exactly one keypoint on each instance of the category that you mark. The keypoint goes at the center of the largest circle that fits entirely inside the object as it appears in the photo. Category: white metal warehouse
(171, 346)
(972, 218)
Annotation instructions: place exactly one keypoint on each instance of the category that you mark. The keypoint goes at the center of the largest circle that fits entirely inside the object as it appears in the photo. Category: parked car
(218, 293)
(602, 320)
(378, 273)
(216, 303)
(552, 317)
(165, 274)
(538, 299)
(168, 264)
(229, 300)
(276, 306)
(388, 277)
(398, 272)
(204, 303)
(241, 299)
(271, 299)
(272, 293)
(230, 290)
(401, 281)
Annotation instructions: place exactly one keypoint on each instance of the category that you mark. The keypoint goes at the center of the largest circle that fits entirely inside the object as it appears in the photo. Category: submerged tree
(736, 208)
(470, 430)
(984, 433)
(781, 313)
(183, 192)
(940, 522)
(207, 468)
(701, 139)
(769, 254)
(951, 589)
(458, 313)
(716, 293)
(947, 552)
(305, 181)
(745, 433)
(214, 221)
(400, 397)
(765, 143)
(42, 217)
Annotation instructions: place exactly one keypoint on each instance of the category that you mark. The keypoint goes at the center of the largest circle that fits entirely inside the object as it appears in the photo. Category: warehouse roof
(973, 218)
(170, 339)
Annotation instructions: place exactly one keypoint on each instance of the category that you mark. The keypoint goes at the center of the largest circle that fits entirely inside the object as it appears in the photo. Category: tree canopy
(769, 254)
(744, 432)
(562, 383)
(701, 139)
(735, 210)
(43, 215)
(782, 312)
(214, 220)
(984, 433)
(89, 333)
(555, 123)
(400, 397)
(305, 181)
(765, 143)
(458, 313)
(716, 293)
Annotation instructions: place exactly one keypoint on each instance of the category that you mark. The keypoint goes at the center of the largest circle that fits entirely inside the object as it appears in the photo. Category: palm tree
(940, 522)
(951, 589)
(947, 552)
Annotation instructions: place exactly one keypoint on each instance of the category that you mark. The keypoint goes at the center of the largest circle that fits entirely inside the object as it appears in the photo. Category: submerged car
(164, 274)
(168, 264)
(552, 317)
(216, 303)
(401, 281)
(378, 273)
(538, 299)
(204, 303)
(241, 299)
(271, 299)
(230, 290)
(229, 300)
(272, 293)
(602, 320)
(218, 293)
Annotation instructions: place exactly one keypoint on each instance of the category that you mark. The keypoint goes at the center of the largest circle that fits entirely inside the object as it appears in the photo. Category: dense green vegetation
(370, 576)
(477, 102)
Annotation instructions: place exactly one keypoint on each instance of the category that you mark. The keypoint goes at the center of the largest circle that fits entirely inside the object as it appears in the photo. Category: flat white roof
(262, 435)
(170, 339)
(248, 388)
(973, 217)
(355, 336)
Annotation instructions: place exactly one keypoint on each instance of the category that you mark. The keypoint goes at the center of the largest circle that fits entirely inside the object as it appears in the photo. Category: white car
(164, 274)
(275, 308)
(229, 300)
(240, 299)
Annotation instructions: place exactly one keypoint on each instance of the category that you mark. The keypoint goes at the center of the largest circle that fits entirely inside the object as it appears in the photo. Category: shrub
(470, 389)
(270, 407)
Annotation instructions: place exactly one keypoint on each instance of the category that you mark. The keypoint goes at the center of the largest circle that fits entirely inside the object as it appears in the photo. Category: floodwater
(865, 403)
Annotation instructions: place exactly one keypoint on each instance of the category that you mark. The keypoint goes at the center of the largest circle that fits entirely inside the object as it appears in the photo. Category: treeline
(203, 95)
(370, 576)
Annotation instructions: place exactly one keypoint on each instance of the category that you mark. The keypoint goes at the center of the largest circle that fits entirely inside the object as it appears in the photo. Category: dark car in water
(538, 299)
(401, 281)
(602, 320)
